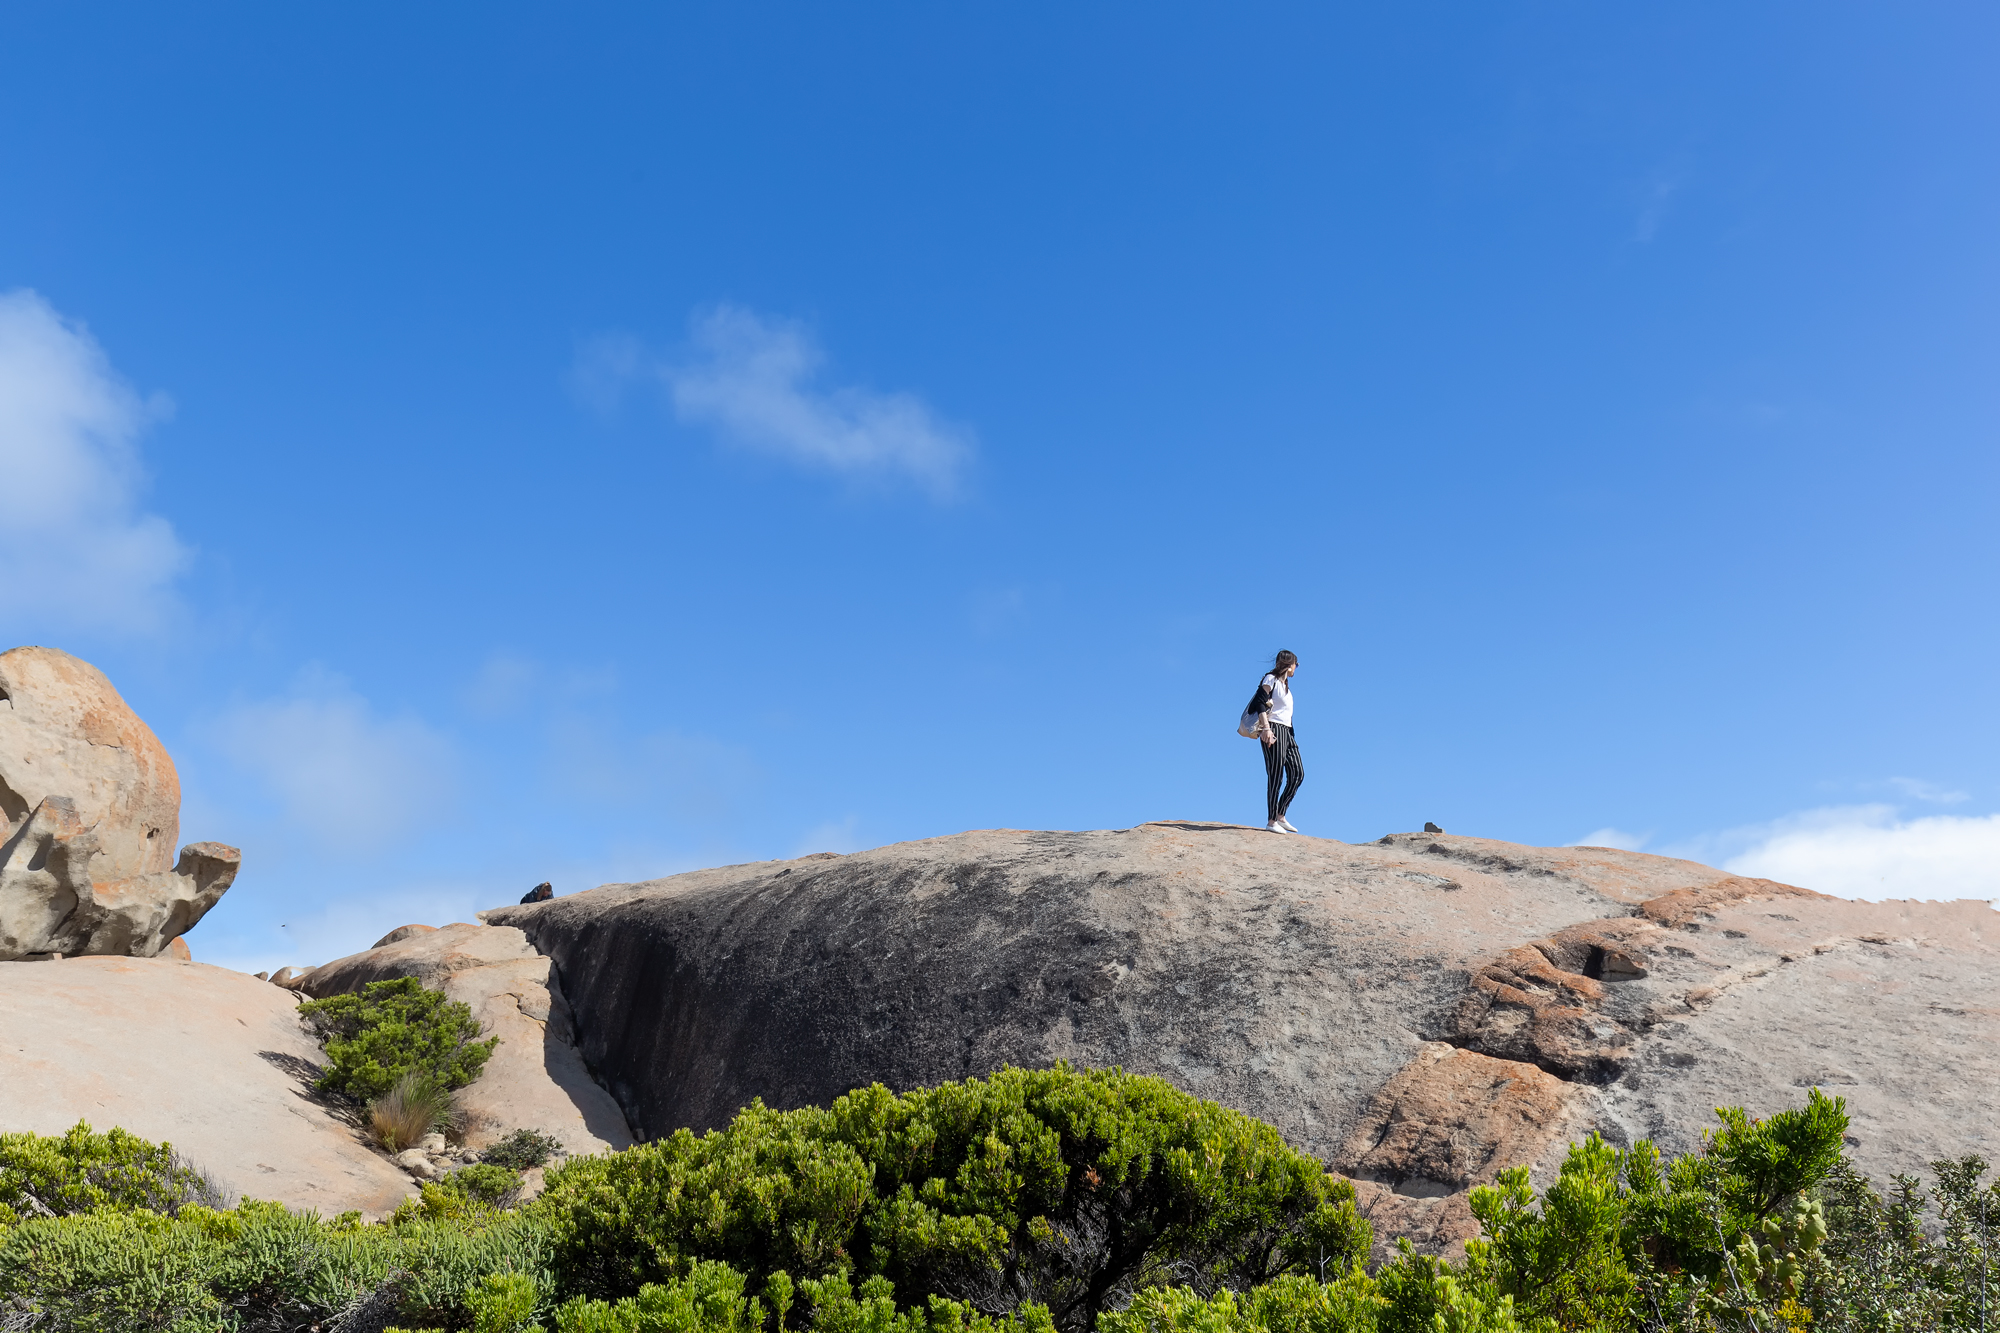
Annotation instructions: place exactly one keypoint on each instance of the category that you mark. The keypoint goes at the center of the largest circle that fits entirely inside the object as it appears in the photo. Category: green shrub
(391, 1028)
(890, 1209)
(492, 1185)
(80, 1171)
(712, 1299)
(1566, 1261)
(501, 1303)
(1882, 1267)
(1061, 1188)
(260, 1265)
(472, 1195)
(524, 1148)
(1295, 1303)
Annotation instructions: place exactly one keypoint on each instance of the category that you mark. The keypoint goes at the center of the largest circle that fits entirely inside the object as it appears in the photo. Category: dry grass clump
(416, 1104)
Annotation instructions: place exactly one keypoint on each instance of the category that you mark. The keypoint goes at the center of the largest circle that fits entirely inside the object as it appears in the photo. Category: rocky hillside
(1421, 1011)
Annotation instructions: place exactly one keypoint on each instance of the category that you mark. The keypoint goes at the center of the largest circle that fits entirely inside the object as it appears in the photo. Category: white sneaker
(1277, 826)
(1287, 824)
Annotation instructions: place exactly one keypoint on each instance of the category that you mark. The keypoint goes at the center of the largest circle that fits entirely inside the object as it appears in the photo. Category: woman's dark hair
(1286, 657)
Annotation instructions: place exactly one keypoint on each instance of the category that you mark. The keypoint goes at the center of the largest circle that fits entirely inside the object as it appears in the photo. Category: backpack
(1253, 714)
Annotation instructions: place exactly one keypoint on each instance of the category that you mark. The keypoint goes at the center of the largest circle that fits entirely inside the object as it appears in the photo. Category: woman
(1273, 703)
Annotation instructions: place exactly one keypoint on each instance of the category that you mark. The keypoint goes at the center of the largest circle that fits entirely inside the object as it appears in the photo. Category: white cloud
(1866, 851)
(752, 380)
(1919, 790)
(504, 686)
(351, 780)
(74, 546)
(1612, 837)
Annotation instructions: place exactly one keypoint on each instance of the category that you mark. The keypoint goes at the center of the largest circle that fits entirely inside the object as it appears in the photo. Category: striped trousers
(1282, 764)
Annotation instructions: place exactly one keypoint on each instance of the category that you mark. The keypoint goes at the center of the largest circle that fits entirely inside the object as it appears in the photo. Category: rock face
(1420, 1011)
(89, 818)
(212, 1061)
(535, 1078)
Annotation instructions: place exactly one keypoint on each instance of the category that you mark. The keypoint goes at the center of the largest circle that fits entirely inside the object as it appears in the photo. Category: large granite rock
(535, 1078)
(89, 818)
(1420, 1011)
(215, 1062)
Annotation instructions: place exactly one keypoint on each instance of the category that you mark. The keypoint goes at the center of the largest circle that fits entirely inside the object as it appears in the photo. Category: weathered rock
(177, 948)
(215, 1062)
(418, 1163)
(401, 933)
(1421, 1011)
(89, 818)
(1451, 1119)
(535, 1078)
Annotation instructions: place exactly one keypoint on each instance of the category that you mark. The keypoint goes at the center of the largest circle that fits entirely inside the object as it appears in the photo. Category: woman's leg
(1295, 775)
(1274, 770)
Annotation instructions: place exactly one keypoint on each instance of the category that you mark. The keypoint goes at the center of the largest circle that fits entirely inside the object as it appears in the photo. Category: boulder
(1421, 1011)
(535, 1079)
(89, 819)
(213, 1061)
(418, 1163)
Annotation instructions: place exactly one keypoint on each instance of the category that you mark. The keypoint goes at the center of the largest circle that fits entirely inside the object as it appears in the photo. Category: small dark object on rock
(1431, 828)
(541, 893)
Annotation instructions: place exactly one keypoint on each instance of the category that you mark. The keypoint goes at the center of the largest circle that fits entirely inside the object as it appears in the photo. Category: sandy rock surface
(89, 820)
(1420, 1011)
(535, 1078)
(213, 1061)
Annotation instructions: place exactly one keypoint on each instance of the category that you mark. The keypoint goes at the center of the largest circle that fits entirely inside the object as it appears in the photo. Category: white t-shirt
(1279, 713)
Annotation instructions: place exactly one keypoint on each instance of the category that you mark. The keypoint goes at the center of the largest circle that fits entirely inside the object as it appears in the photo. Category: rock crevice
(535, 1078)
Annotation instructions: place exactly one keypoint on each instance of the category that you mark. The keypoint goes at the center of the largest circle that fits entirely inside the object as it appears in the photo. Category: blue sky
(498, 443)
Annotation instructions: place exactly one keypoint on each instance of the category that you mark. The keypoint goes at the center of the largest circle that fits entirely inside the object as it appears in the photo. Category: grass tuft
(416, 1104)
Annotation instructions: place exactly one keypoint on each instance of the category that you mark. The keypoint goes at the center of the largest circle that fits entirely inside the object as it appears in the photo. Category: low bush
(1886, 1265)
(712, 1299)
(1056, 1187)
(258, 1266)
(494, 1186)
(472, 1194)
(524, 1148)
(392, 1028)
(1025, 1203)
(81, 1171)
